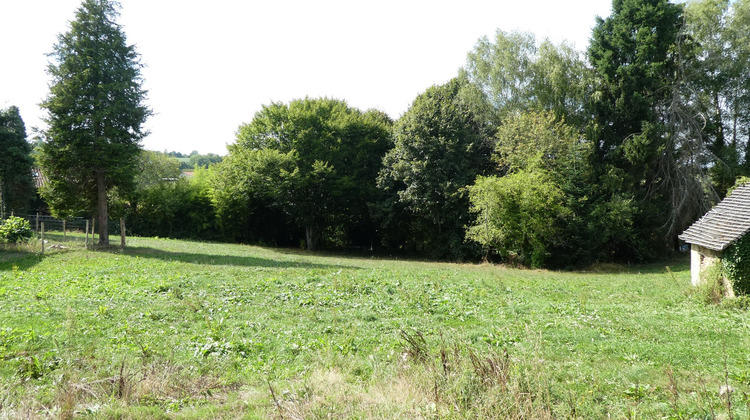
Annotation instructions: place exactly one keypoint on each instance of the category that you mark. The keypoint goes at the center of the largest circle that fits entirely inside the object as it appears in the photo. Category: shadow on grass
(22, 259)
(213, 259)
(675, 264)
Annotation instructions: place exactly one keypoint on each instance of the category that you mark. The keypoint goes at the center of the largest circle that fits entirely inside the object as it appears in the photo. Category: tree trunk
(122, 233)
(720, 134)
(2, 202)
(310, 238)
(102, 200)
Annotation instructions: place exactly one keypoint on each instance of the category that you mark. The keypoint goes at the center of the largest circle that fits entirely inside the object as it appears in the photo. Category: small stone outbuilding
(725, 224)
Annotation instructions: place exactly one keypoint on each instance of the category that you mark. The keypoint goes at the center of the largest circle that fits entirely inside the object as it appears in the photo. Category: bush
(518, 215)
(175, 209)
(14, 230)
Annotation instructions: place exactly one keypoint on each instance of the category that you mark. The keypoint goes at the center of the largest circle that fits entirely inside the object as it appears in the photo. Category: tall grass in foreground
(178, 329)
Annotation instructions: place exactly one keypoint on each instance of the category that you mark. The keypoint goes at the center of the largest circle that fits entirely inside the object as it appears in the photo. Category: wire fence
(75, 231)
(78, 224)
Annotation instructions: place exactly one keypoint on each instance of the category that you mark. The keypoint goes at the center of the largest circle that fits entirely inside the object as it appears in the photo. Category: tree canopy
(516, 74)
(332, 154)
(633, 55)
(440, 147)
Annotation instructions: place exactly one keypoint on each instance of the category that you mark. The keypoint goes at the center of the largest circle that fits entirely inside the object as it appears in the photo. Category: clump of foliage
(736, 265)
(313, 162)
(245, 191)
(525, 214)
(166, 204)
(517, 215)
(15, 230)
(174, 209)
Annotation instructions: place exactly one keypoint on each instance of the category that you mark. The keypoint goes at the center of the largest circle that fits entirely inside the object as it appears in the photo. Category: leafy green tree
(632, 54)
(179, 208)
(583, 224)
(538, 140)
(16, 184)
(336, 152)
(717, 78)
(561, 83)
(440, 148)
(96, 112)
(503, 70)
(516, 75)
(156, 167)
(525, 214)
(166, 204)
(203, 161)
(176, 154)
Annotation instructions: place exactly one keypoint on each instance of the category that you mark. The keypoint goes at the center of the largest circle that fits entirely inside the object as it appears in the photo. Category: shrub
(14, 230)
(518, 215)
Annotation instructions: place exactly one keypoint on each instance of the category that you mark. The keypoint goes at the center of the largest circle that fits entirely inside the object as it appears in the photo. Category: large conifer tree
(95, 114)
(633, 54)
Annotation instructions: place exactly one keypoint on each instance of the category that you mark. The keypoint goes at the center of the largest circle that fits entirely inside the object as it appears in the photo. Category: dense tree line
(194, 159)
(534, 153)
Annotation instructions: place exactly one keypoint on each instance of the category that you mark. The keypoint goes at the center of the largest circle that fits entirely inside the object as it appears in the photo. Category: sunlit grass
(196, 329)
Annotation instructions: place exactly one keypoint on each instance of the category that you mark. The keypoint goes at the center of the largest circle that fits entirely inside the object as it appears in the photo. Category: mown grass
(178, 329)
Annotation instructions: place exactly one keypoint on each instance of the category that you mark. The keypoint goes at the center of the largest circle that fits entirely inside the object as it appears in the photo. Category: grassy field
(177, 329)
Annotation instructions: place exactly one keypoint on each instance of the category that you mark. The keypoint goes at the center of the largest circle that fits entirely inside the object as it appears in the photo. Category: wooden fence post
(65, 232)
(122, 233)
(87, 234)
(42, 238)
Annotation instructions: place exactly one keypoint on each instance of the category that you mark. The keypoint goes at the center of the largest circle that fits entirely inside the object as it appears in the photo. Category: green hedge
(736, 261)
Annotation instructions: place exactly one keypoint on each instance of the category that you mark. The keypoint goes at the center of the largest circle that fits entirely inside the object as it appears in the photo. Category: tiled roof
(724, 224)
(39, 178)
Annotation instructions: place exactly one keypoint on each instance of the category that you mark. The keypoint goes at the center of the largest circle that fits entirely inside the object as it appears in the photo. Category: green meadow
(179, 329)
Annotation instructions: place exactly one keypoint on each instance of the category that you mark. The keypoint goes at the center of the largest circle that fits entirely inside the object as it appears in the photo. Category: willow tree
(95, 111)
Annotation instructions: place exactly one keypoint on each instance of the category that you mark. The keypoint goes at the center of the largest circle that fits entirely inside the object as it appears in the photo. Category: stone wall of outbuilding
(701, 258)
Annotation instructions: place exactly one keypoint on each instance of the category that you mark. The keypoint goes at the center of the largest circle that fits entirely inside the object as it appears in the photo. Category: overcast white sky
(211, 65)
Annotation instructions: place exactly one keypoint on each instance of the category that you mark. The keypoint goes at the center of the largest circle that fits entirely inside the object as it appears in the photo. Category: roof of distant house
(39, 178)
(724, 224)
